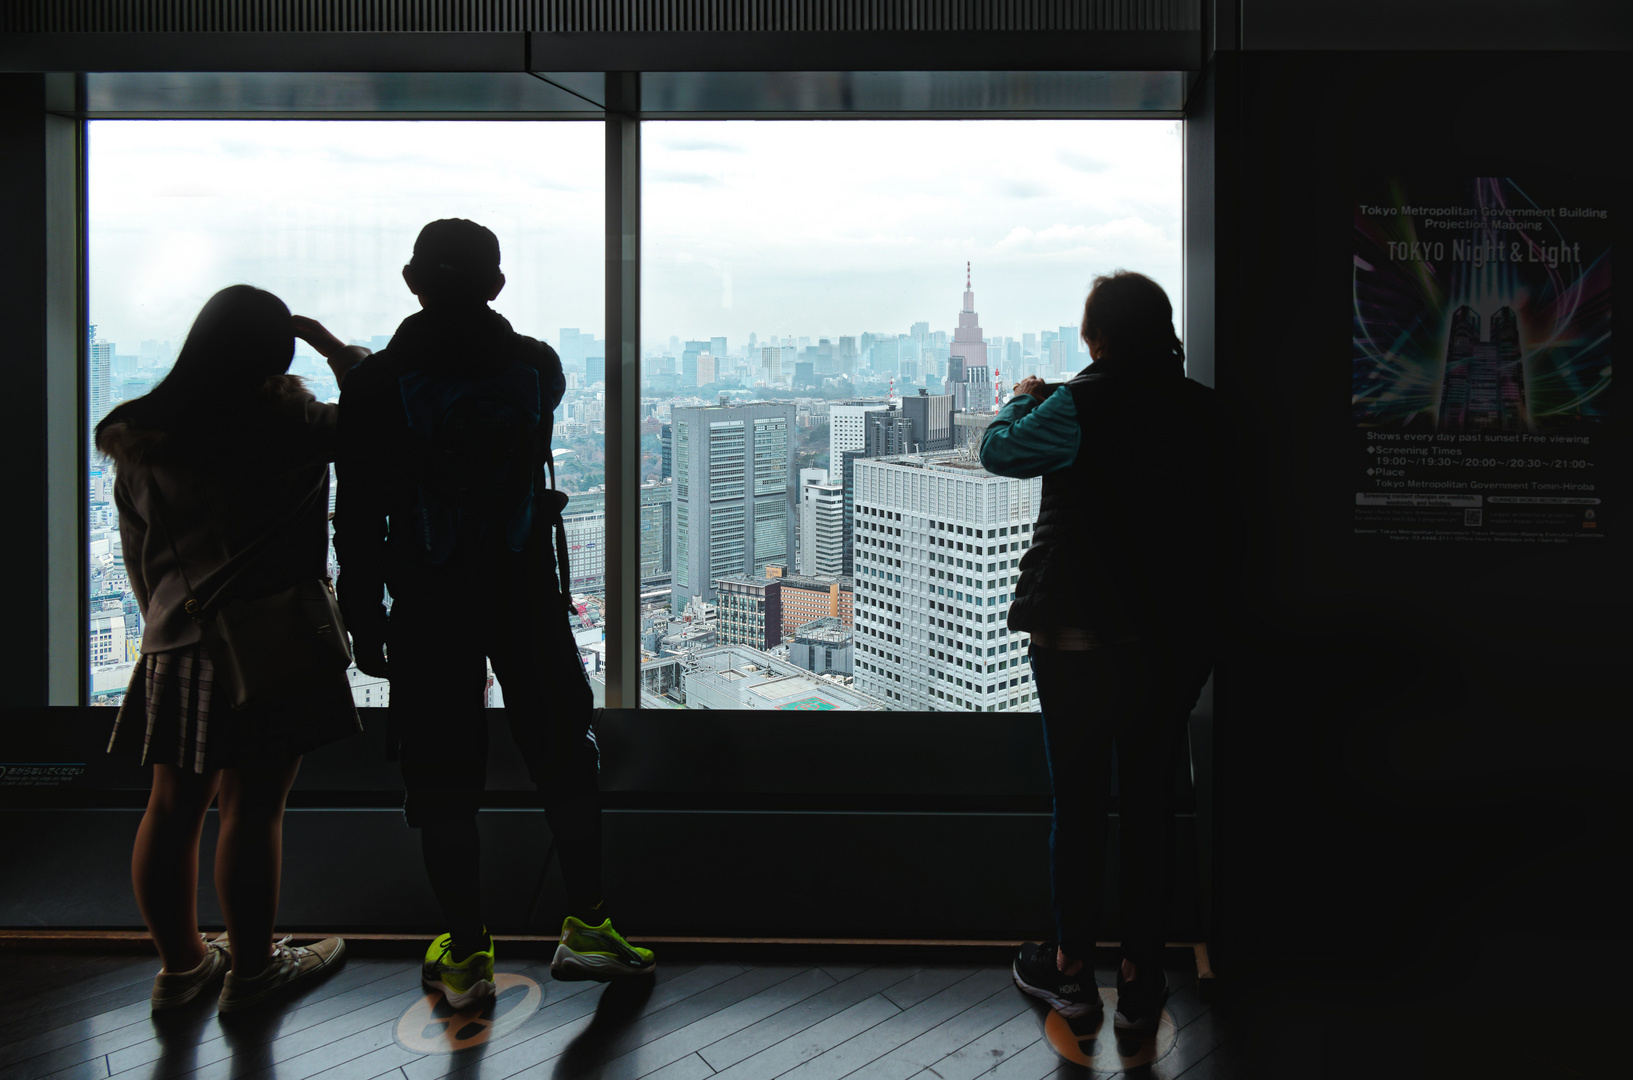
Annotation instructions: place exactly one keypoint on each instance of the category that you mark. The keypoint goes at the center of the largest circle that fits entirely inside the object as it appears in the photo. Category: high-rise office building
(932, 417)
(595, 370)
(734, 493)
(586, 521)
(847, 480)
(717, 346)
(938, 542)
(771, 365)
(706, 375)
(846, 357)
(99, 387)
(1069, 335)
(885, 357)
(657, 533)
(980, 388)
(847, 427)
(822, 527)
(688, 362)
(666, 443)
(888, 433)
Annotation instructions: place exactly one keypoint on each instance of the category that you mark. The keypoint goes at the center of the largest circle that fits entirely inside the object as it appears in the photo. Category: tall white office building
(847, 429)
(938, 542)
(821, 525)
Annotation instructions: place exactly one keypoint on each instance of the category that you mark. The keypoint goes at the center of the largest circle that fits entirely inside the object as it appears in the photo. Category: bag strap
(564, 573)
(244, 559)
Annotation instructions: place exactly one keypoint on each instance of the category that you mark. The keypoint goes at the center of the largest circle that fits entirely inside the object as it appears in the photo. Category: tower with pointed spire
(968, 350)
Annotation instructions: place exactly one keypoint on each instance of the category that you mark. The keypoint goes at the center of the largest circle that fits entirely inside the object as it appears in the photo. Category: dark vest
(1126, 543)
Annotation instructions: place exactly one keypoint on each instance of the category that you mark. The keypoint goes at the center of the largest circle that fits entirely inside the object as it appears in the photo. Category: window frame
(996, 765)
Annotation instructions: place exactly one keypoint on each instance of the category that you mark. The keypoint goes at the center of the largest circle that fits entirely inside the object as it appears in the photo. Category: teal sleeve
(1026, 439)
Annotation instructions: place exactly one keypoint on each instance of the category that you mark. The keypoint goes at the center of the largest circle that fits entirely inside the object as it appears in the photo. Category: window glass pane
(816, 371)
(324, 214)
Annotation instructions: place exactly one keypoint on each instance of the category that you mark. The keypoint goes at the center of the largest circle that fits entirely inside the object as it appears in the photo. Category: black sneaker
(1070, 995)
(1139, 1003)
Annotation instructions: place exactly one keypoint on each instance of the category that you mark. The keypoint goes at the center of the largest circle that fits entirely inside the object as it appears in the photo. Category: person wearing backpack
(444, 506)
(222, 487)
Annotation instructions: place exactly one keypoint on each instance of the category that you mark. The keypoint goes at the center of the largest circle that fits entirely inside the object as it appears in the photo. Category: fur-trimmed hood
(129, 444)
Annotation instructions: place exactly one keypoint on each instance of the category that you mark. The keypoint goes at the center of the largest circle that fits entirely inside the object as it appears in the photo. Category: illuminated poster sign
(1481, 362)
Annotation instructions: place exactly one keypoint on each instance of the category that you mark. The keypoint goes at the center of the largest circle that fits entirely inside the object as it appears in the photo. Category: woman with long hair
(228, 454)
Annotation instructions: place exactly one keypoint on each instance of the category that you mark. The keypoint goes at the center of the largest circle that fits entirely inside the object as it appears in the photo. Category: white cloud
(827, 227)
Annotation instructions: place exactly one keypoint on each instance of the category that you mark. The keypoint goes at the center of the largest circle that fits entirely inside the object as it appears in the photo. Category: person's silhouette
(444, 503)
(1119, 593)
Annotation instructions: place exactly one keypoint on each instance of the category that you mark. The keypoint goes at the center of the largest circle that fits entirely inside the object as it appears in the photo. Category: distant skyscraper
(734, 493)
(886, 356)
(932, 417)
(706, 375)
(99, 385)
(771, 365)
(1069, 335)
(595, 370)
(968, 348)
(717, 346)
(688, 362)
(938, 540)
(846, 358)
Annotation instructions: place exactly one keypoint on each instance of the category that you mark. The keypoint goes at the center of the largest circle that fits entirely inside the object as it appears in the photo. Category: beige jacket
(203, 503)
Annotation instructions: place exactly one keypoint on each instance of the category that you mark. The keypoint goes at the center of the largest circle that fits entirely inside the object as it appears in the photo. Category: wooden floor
(88, 1017)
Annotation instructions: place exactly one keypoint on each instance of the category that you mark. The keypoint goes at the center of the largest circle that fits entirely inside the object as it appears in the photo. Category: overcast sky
(789, 228)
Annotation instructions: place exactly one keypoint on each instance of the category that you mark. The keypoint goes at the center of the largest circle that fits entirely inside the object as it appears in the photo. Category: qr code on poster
(1473, 517)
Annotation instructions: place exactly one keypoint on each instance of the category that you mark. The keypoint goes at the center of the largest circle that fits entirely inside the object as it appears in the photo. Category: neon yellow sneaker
(597, 952)
(463, 983)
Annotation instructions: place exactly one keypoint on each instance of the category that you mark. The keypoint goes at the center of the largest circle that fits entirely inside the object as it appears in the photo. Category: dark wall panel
(22, 367)
(1424, 749)
(918, 876)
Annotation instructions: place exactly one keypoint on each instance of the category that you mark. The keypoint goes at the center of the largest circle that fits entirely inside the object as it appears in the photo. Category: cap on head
(456, 256)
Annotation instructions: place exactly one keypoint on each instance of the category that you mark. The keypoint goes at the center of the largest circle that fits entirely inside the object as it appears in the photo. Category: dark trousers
(1121, 696)
(439, 645)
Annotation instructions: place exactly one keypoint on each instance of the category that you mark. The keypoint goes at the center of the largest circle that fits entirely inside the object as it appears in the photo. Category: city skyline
(757, 235)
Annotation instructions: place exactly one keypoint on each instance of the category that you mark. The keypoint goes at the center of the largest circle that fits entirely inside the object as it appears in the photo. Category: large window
(324, 214)
(831, 311)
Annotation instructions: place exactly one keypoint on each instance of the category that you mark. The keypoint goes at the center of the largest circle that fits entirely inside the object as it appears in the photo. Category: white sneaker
(174, 988)
(289, 965)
